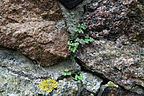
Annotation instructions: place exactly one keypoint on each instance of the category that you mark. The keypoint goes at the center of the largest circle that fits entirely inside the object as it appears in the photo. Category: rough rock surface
(91, 82)
(114, 24)
(44, 42)
(66, 87)
(123, 65)
(72, 17)
(108, 91)
(20, 77)
(111, 19)
(17, 11)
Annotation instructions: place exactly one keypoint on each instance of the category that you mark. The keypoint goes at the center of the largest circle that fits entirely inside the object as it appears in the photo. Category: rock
(34, 28)
(91, 82)
(20, 77)
(85, 92)
(66, 87)
(70, 4)
(72, 17)
(112, 19)
(115, 54)
(44, 42)
(108, 91)
(123, 65)
(14, 11)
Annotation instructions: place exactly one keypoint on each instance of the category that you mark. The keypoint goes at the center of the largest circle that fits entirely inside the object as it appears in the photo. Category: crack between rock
(20, 73)
(105, 80)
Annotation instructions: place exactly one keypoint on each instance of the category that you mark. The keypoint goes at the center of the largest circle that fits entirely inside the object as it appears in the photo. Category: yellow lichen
(111, 84)
(48, 85)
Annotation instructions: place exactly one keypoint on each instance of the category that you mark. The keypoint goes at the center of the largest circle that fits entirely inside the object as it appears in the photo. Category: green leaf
(69, 73)
(80, 78)
(83, 27)
(63, 73)
(87, 36)
(76, 77)
(69, 43)
(71, 37)
(80, 31)
(86, 41)
(78, 72)
(66, 70)
(79, 81)
(76, 29)
(74, 49)
(79, 25)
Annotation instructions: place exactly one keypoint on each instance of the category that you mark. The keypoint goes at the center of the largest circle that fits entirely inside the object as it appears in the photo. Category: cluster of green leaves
(75, 41)
(66, 72)
(77, 76)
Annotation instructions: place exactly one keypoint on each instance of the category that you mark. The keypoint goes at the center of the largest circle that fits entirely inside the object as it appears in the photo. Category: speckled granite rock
(66, 87)
(117, 26)
(44, 42)
(111, 19)
(20, 77)
(14, 11)
(123, 65)
(86, 93)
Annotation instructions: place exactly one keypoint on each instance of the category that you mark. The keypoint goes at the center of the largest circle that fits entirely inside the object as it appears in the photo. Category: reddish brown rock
(14, 11)
(123, 65)
(111, 19)
(44, 42)
(118, 29)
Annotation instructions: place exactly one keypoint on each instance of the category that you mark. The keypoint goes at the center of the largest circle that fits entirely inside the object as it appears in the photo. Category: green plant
(80, 28)
(77, 76)
(75, 40)
(66, 73)
(73, 46)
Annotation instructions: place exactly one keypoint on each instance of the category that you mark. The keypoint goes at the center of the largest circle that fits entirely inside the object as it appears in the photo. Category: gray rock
(72, 17)
(20, 77)
(66, 87)
(91, 82)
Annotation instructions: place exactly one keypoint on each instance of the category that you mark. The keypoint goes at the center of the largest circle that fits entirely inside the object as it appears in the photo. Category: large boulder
(35, 28)
(14, 11)
(20, 77)
(117, 52)
(44, 42)
(110, 19)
